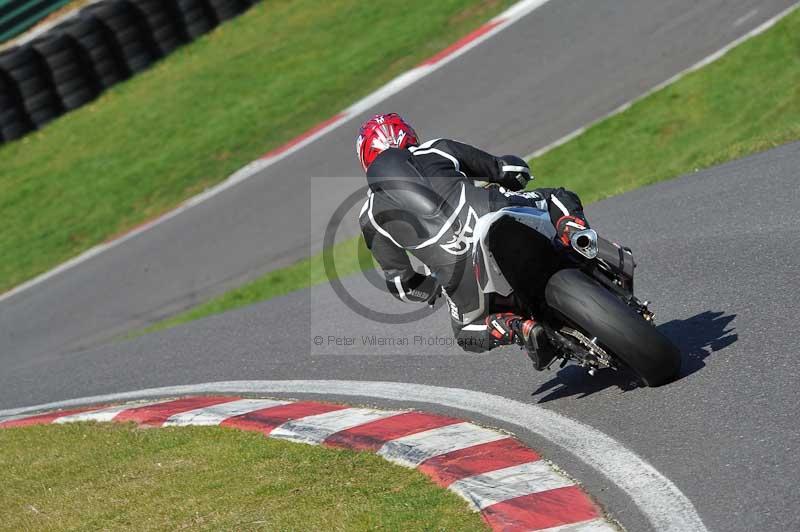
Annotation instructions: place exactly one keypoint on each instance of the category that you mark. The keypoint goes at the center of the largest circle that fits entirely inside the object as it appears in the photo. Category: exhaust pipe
(585, 243)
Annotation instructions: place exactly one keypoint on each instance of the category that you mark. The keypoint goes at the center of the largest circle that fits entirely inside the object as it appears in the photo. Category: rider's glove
(514, 173)
(567, 225)
(418, 289)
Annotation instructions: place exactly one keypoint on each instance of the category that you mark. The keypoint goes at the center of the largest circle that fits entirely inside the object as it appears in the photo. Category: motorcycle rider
(423, 200)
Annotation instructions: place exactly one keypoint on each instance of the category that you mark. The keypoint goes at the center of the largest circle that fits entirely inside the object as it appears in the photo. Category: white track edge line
(758, 30)
(661, 501)
(403, 81)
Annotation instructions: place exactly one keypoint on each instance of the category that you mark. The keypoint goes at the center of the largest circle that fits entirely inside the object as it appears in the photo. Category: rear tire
(601, 314)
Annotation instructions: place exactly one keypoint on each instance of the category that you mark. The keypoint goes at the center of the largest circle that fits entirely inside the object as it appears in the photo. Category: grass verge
(202, 113)
(746, 102)
(115, 476)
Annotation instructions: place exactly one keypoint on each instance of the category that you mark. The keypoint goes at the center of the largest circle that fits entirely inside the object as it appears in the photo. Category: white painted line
(660, 501)
(412, 450)
(315, 429)
(509, 483)
(509, 17)
(216, 414)
(101, 415)
(595, 525)
(761, 28)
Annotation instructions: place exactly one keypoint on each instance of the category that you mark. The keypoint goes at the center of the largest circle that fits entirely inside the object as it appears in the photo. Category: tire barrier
(164, 24)
(103, 44)
(131, 34)
(69, 69)
(33, 80)
(14, 123)
(104, 61)
(197, 17)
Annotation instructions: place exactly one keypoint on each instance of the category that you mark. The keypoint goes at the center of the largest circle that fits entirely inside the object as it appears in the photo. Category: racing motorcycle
(582, 295)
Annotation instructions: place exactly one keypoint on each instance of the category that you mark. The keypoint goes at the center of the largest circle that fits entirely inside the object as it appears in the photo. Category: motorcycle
(583, 295)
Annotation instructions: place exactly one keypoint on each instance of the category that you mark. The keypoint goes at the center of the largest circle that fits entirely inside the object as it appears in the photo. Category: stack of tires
(131, 34)
(104, 61)
(164, 23)
(14, 123)
(33, 80)
(104, 44)
(197, 17)
(69, 68)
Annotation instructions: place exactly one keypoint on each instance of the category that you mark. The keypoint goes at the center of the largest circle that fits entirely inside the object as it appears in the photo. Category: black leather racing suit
(423, 201)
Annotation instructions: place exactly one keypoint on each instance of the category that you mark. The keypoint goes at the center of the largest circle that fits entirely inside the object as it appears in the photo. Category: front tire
(599, 313)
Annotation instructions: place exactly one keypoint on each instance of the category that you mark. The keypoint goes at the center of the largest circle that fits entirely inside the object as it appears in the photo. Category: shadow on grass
(697, 337)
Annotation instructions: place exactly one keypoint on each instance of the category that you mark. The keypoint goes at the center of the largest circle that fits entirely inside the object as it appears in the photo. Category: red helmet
(380, 133)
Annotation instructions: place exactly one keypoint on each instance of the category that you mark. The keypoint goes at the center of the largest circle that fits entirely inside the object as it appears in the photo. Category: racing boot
(500, 327)
(507, 328)
(532, 337)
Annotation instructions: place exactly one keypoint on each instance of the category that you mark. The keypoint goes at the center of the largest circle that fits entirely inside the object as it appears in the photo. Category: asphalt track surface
(717, 253)
(564, 65)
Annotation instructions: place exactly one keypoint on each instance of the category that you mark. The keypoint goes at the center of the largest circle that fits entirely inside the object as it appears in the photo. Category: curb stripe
(543, 510)
(216, 414)
(267, 420)
(372, 436)
(410, 451)
(315, 429)
(494, 473)
(595, 525)
(510, 483)
(447, 468)
(99, 416)
(157, 414)
(41, 419)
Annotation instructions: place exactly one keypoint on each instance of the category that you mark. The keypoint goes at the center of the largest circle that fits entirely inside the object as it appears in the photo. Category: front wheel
(601, 314)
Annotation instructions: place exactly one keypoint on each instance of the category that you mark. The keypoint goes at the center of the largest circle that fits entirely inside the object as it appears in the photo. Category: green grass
(204, 112)
(746, 102)
(113, 476)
